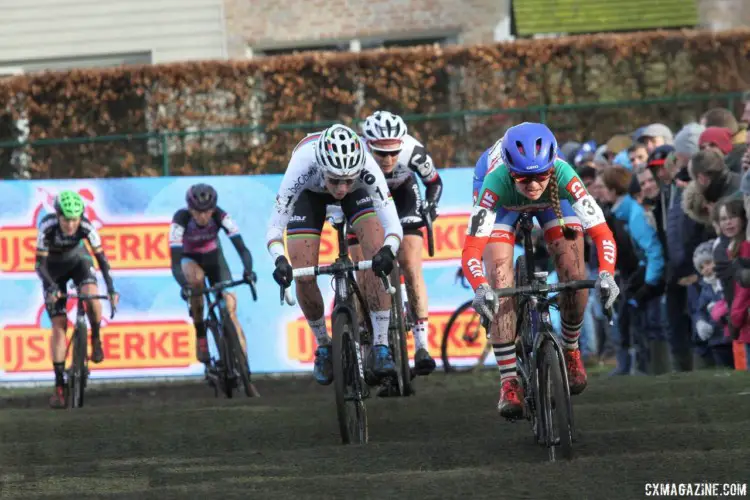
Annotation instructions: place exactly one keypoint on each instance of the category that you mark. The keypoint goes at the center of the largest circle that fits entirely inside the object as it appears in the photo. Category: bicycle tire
(221, 373)
(78, 371)
(445, 341)
(555, 401)
(348, 381)
(397, 337)
(240, 358)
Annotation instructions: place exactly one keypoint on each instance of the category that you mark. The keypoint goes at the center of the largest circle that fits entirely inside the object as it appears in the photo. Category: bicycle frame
(216, 312)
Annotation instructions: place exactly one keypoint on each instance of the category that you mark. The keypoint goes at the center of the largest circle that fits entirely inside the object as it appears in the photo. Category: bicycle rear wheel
(348, 381)
(464, 341)
(397, 337)
(240, 358)
(555, 403)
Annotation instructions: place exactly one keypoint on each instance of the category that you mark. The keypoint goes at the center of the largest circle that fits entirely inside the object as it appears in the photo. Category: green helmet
(69, 204)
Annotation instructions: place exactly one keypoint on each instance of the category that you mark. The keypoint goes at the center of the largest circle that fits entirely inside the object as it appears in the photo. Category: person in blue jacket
(640, 311)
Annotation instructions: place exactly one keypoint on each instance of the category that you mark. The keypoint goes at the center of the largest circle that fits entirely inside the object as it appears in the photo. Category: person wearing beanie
(655, 135)
(723, 118)
(716, 138)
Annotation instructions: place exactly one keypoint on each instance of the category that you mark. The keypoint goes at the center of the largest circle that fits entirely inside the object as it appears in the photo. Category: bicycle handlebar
(427, 218)
(545, 288)
(85, 296)
(223, 285)
(334, 268)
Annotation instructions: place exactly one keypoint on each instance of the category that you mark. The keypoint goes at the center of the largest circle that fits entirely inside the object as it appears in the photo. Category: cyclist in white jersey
(402, 158)
(330, 168)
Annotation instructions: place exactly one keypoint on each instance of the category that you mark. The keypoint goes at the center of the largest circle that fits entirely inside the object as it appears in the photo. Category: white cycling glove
(704, 329)
(607, 289)
(485, 302)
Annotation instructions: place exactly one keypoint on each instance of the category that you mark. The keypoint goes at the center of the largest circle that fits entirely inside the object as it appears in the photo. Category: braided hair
(568, 232)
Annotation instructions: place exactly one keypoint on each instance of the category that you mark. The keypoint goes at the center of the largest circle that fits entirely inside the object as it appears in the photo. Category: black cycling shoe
(423, 362)
(97, 353)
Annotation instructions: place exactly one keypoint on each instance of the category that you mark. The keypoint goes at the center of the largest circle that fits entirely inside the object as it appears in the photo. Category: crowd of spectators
(678, 204)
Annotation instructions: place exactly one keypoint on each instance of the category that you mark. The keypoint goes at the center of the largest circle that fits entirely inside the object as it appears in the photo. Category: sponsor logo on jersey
(298, 218)
(609, 251)
(489, 199)
(576, 188)
(475, 267)
(130, 244)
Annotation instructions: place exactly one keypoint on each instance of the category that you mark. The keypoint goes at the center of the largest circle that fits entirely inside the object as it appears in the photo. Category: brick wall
(724, 14)
(269, 23)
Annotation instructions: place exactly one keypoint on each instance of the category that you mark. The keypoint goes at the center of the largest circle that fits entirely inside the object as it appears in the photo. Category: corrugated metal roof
(585, 16)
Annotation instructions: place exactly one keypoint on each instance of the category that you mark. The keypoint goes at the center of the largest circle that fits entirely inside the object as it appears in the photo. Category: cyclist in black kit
(60, 257)
(195, 252)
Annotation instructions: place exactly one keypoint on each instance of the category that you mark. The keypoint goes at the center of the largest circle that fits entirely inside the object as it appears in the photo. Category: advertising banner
(152, 334)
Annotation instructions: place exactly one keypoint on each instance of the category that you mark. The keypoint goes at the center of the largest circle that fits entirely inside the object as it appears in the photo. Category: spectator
(721, 117)
(655, 135)
(703, 297)
(717, 139)
(740, 321)
(682, 236)
(617, 144)
(730, 216)
(623, 160)
(643, 284)
(568, 151)
(649, 187)
(638, 155)
(711, 178)
(658, 162)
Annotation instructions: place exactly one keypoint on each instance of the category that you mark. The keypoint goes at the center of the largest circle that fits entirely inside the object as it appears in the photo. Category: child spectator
(703, 297)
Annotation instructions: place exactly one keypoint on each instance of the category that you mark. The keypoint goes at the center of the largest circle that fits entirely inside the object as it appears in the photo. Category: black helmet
(201, 197)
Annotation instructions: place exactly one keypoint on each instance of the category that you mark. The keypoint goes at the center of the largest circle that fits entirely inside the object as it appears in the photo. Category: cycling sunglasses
(334, 181)
(528, 179)
(383, 154)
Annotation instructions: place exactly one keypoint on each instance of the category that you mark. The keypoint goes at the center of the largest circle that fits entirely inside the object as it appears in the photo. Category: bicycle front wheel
(555, 403)
(77, 378)
(348, 381)
(464, 344)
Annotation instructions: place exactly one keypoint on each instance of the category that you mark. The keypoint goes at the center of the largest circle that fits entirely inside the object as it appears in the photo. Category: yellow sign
(165, 344)
(301, 342)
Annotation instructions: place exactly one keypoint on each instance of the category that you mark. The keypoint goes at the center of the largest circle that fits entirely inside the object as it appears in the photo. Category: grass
(178, 441)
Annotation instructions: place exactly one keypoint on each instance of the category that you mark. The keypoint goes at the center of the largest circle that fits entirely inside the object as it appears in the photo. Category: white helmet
(384, 126)
(339, 151)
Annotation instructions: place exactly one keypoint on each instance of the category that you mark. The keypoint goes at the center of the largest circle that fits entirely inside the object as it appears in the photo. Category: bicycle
(348, 340)
(77, 373)
(231, 368)
(547, 404)
(402, 322)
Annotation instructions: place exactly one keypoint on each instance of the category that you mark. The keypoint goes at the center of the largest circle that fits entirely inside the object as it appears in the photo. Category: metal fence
(225, 150)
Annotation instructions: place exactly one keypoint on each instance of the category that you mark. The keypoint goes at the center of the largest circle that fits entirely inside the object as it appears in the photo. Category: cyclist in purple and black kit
(195, 252)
